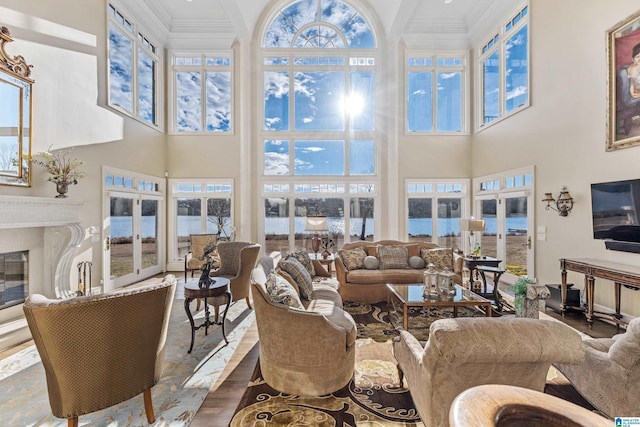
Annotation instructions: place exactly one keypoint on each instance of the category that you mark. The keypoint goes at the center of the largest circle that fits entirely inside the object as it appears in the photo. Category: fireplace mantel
(60, 219)
(23, 211)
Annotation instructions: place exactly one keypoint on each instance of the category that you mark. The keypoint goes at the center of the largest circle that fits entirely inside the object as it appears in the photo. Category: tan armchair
(237, 259)
(610, 376)
(195, 259)
(466, 352)
(101, 350)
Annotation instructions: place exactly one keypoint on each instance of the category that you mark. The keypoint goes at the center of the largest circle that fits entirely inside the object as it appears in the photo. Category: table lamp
(316, 223)
(472, 225)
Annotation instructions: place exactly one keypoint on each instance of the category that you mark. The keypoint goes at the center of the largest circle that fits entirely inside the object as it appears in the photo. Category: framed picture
(623, 81)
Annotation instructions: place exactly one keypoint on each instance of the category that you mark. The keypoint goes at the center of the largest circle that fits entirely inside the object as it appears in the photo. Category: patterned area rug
(374, 396)
(184, 384)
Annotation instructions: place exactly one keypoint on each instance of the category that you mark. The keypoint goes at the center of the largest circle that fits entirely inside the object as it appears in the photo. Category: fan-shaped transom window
(318, 24)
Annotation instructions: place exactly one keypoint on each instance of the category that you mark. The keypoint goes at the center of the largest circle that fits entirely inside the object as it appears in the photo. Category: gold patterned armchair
(195, 258)
(100, 350)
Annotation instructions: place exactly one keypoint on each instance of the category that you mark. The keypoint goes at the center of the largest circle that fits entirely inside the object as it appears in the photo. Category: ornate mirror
(15, 116)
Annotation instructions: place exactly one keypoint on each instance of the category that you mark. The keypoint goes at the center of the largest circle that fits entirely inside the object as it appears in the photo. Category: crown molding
(454, 41)
(201, 26)
(200, 41)
(487, 16)
(148, 17)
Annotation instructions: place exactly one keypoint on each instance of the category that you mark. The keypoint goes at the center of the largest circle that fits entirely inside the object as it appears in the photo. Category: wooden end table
(328, 261)
(218, 289)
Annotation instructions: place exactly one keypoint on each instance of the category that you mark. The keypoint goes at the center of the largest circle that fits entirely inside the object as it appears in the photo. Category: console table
(620, 274)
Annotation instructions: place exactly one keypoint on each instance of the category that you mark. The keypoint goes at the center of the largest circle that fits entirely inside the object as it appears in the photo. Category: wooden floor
(220, 404)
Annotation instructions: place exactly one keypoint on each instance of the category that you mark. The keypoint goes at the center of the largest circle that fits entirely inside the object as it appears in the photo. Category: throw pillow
(371, 263)
(392, 257)
(353, 259)
(280, 291)
(413, 249)
(439, 257)
(300, 275)
(416, 262)
(305, 260)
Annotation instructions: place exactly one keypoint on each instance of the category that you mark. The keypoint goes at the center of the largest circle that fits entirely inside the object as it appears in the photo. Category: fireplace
(14, 278)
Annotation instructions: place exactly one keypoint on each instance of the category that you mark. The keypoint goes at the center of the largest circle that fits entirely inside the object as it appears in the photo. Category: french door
(132, 249)
(505, 202)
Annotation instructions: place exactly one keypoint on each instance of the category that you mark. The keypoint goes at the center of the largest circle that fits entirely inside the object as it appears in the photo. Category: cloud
(310, 149)
(518, 91)
(276, 163)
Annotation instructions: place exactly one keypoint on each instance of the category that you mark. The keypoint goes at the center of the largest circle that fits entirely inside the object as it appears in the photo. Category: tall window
(436, 92)
(133, 69)
(434, 210)
(504, 70)
(202, 93)
(199, 207)
(319, 133)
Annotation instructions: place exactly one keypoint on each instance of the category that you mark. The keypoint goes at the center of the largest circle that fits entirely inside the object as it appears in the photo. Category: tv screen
(615, 208)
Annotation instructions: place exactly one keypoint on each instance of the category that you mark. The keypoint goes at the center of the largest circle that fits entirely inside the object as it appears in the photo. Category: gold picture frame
(623, 81)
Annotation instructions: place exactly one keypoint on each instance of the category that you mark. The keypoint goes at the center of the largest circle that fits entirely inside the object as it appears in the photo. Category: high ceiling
(458, 24)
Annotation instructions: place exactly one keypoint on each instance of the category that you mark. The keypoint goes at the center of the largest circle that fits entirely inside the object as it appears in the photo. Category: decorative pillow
(392, 257)
(280, 291)
(413, 249)
(439, 257)
(305, 260)
(416, 262)
(371, 263)
(353, 259)
(300, 275)
(289, 279)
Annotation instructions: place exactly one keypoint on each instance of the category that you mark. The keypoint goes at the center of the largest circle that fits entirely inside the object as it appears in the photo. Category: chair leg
(400, 376)
(248, 302)
(216, 313)
(72, 422)
(198, 304)
(148, 406)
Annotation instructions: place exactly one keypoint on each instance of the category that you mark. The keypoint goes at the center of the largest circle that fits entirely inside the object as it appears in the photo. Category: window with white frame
(436, 90)
(202, 93)
(318, 63)
(434, 210)
(199, 207)
(503, 69)
(134, 68)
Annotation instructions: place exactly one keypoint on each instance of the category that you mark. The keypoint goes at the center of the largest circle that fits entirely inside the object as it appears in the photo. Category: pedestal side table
(218, 291)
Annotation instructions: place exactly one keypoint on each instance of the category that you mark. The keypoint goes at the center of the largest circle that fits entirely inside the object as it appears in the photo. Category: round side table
(218, 291)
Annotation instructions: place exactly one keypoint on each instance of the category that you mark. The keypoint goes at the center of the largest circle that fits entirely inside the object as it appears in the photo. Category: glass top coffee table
(411, 295)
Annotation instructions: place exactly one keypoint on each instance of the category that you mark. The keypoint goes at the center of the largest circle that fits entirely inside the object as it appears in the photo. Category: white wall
(563, 134)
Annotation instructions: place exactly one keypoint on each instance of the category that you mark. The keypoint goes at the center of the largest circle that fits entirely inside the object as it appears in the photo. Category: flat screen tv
(616, 214)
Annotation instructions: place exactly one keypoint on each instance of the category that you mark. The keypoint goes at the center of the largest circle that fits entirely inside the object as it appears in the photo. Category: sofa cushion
(352, 259)
(299, 274)
(392, 257)
(365, 277)
(371, 263)
(305, 260)
(416, 262)
(439, 257)
(280, 291)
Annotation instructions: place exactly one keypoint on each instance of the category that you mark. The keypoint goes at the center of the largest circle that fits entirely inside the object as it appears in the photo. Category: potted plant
(519, 289)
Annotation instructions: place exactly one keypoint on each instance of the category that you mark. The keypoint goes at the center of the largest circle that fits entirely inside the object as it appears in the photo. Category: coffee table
(410, 295)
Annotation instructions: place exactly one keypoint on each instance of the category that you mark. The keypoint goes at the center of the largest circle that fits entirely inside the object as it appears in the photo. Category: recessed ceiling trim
(436, 41)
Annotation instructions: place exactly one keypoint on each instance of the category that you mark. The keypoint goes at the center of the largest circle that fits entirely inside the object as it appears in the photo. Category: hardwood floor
(220, 404)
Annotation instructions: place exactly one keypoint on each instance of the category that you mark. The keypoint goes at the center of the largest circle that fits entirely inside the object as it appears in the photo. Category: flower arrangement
(61, 166)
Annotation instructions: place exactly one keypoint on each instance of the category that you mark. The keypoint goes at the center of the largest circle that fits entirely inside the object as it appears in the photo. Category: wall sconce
(564, 204)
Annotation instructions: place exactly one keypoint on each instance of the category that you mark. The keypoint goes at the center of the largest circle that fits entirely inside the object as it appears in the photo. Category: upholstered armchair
(237, 259)
(195, 258)
(610, 376)
(466, 352)
(100, 350)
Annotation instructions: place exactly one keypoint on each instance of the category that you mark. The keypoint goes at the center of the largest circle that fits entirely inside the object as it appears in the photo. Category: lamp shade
(316, 223)
(471, 224)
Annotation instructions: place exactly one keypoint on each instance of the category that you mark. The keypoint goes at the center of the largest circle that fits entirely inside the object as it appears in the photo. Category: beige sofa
(370, 286)
(465, 352)
(306, 351)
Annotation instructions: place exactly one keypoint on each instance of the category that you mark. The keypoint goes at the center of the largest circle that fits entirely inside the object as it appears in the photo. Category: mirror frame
(15, 71)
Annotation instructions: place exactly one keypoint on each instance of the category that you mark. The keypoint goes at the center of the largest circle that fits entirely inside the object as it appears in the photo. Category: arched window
(319, 132)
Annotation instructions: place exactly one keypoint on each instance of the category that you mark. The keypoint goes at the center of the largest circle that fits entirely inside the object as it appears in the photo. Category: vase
(62, 188)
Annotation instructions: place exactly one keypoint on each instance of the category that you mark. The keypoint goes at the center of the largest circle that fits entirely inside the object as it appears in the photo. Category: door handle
(108, 242)
(528, 244)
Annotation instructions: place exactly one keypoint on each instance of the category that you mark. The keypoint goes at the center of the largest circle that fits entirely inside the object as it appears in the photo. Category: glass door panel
(489, 238)
(276, 224)
(189, 221)
(149, 234)
(420, 223)
(517, 241)
(121, 237)
(449, 214)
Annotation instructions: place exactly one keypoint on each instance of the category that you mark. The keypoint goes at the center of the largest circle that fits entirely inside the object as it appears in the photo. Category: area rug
(374, 396)
(184, 384)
